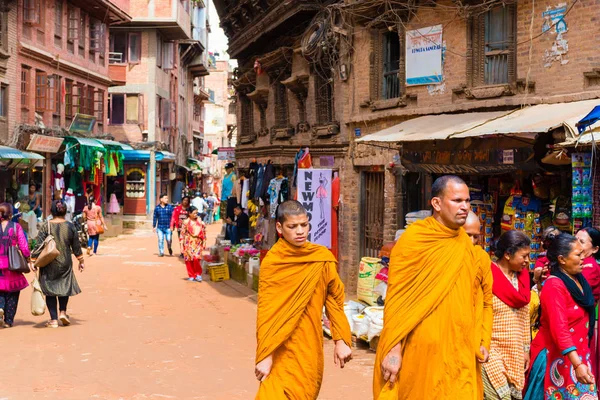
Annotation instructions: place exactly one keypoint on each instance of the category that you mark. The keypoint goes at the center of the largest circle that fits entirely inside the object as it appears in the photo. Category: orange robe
(430, 309)
(295, 283)
(484, 313)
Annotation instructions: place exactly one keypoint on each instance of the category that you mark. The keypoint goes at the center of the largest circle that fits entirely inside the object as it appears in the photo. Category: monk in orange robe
(297, 279)
(426, 347)
(484, 298)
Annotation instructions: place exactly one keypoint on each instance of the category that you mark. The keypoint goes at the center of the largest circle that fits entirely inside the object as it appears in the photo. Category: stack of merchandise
(484, 208)
(415, 216)
(582, 190)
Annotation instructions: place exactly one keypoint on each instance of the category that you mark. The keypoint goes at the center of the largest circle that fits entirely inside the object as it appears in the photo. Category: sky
(217, 41)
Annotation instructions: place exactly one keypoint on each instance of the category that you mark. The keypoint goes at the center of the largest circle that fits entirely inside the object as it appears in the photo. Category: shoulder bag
(16, 259)
(49, 251)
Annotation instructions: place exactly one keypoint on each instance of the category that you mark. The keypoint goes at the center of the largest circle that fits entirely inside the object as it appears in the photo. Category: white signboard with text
(424, 56)
(314, 192)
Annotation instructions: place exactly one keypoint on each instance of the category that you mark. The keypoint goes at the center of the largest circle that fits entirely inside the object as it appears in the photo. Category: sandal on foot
(52, 324)
(64, 319)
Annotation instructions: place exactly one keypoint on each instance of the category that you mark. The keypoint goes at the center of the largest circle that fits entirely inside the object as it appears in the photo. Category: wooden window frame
(377, 67)
(88, 104)
(78, 98)
(99, 106)
(138, 51)
(58, 19)
(476, 50)
(159, 50)
(111, 109)
(168, 61)
(4, 99)
(25, 83)
(69, 84)
(82, 29)
(4, 30)
(324, 96)
(32, 12)
(41, 91)
(72, 23)
(282, 109)
(246, 115)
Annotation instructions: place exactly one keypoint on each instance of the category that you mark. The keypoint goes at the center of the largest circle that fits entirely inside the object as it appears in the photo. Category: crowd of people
(457, 323)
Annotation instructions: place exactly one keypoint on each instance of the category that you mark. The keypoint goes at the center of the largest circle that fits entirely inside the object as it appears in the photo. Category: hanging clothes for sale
(245, 184)
(259, 181)
(284, 191)
(302, 160)
(252, 174)
(273, 192)
(268, 176)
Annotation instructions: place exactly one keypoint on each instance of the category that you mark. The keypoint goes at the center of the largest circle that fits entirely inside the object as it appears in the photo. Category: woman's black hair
(549, 234)
(185, 197)
(510, 242)
(191, 209)
(594, 234)
(560, 246)
(59, 208)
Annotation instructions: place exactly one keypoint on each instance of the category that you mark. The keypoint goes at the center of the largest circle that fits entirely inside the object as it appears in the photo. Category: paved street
(140, 331)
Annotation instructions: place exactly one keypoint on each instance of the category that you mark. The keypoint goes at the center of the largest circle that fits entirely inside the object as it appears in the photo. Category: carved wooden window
(58, 19)
(82, 33)
(282, 116)
(99, 106)
(55, 103)
(262, 109)
(387, 76)
(72, 23)
(247, 115)
(493, 47)
(324, 96)
(32, 10)
(25, 77)
(3, 100)
(4, 30)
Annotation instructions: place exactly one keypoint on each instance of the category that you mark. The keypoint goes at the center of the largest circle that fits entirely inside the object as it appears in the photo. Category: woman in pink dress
(11, 283)
(561, 348)
(92, 214)
(193, 232)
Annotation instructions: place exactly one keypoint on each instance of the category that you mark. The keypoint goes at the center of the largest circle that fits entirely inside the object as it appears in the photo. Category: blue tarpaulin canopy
(588, 120)
(144, 155)
(8, 153)
(112, 143)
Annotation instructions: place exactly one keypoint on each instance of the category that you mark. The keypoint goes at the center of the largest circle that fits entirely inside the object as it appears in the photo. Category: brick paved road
(140, 331)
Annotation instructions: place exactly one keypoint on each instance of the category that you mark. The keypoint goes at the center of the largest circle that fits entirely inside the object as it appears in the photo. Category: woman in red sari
(561, 348)
(590, 241)
(504, 373)
(193, 232)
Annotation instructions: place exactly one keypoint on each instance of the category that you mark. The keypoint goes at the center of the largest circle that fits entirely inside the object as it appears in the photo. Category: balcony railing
(115, 58)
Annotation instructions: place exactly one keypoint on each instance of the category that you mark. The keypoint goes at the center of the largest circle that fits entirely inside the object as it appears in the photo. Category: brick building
(156, 63)
(496, 59)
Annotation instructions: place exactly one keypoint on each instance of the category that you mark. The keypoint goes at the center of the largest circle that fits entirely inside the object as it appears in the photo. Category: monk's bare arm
(488, 312)
(334, 308)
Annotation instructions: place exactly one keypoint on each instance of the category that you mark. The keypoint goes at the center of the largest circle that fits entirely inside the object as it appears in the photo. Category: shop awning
(85, 141)
(8, 153)
(194, 164)
(112, 143)
(530, 121)
(144, 155)
(431, 127)
(525, 122)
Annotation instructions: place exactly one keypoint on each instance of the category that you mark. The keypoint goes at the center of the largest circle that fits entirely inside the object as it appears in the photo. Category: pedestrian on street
(560, 352)
(484, 299)
(194, 242)
(180, 214)
(429, 305)
(161, 224)
(503, 374)
(92, 214)
(57, 279)
(200, 204)
(212, 203)
(240, 225)
(11, 283)
(297, 279)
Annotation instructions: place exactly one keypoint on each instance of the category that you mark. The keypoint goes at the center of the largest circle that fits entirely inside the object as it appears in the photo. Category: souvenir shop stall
(517, 184)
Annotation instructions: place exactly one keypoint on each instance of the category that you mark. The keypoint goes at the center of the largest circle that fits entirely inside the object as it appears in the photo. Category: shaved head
(439, 186)
(473, 227)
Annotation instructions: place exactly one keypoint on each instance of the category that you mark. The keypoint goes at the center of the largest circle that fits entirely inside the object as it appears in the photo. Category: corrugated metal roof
(432, 127)
(530, 121)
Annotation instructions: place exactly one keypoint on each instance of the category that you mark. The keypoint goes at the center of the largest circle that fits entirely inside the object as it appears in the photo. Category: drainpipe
(151, 179)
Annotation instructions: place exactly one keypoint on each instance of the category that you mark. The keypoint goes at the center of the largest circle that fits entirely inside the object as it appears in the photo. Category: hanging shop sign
(226, 153)
(83, 123)
(424, 56)
(314, 192)
(486, 161)
(45, 144)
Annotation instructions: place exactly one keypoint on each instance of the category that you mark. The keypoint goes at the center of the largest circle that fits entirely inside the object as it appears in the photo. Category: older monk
(426, 348)
(482, 291)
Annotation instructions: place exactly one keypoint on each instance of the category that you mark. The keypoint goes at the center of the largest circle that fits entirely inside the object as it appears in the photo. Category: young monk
(426, 349)
(297, 278)
(484, 298)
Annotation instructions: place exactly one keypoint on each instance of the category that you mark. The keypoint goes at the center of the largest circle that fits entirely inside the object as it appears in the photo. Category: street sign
(45, 144)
